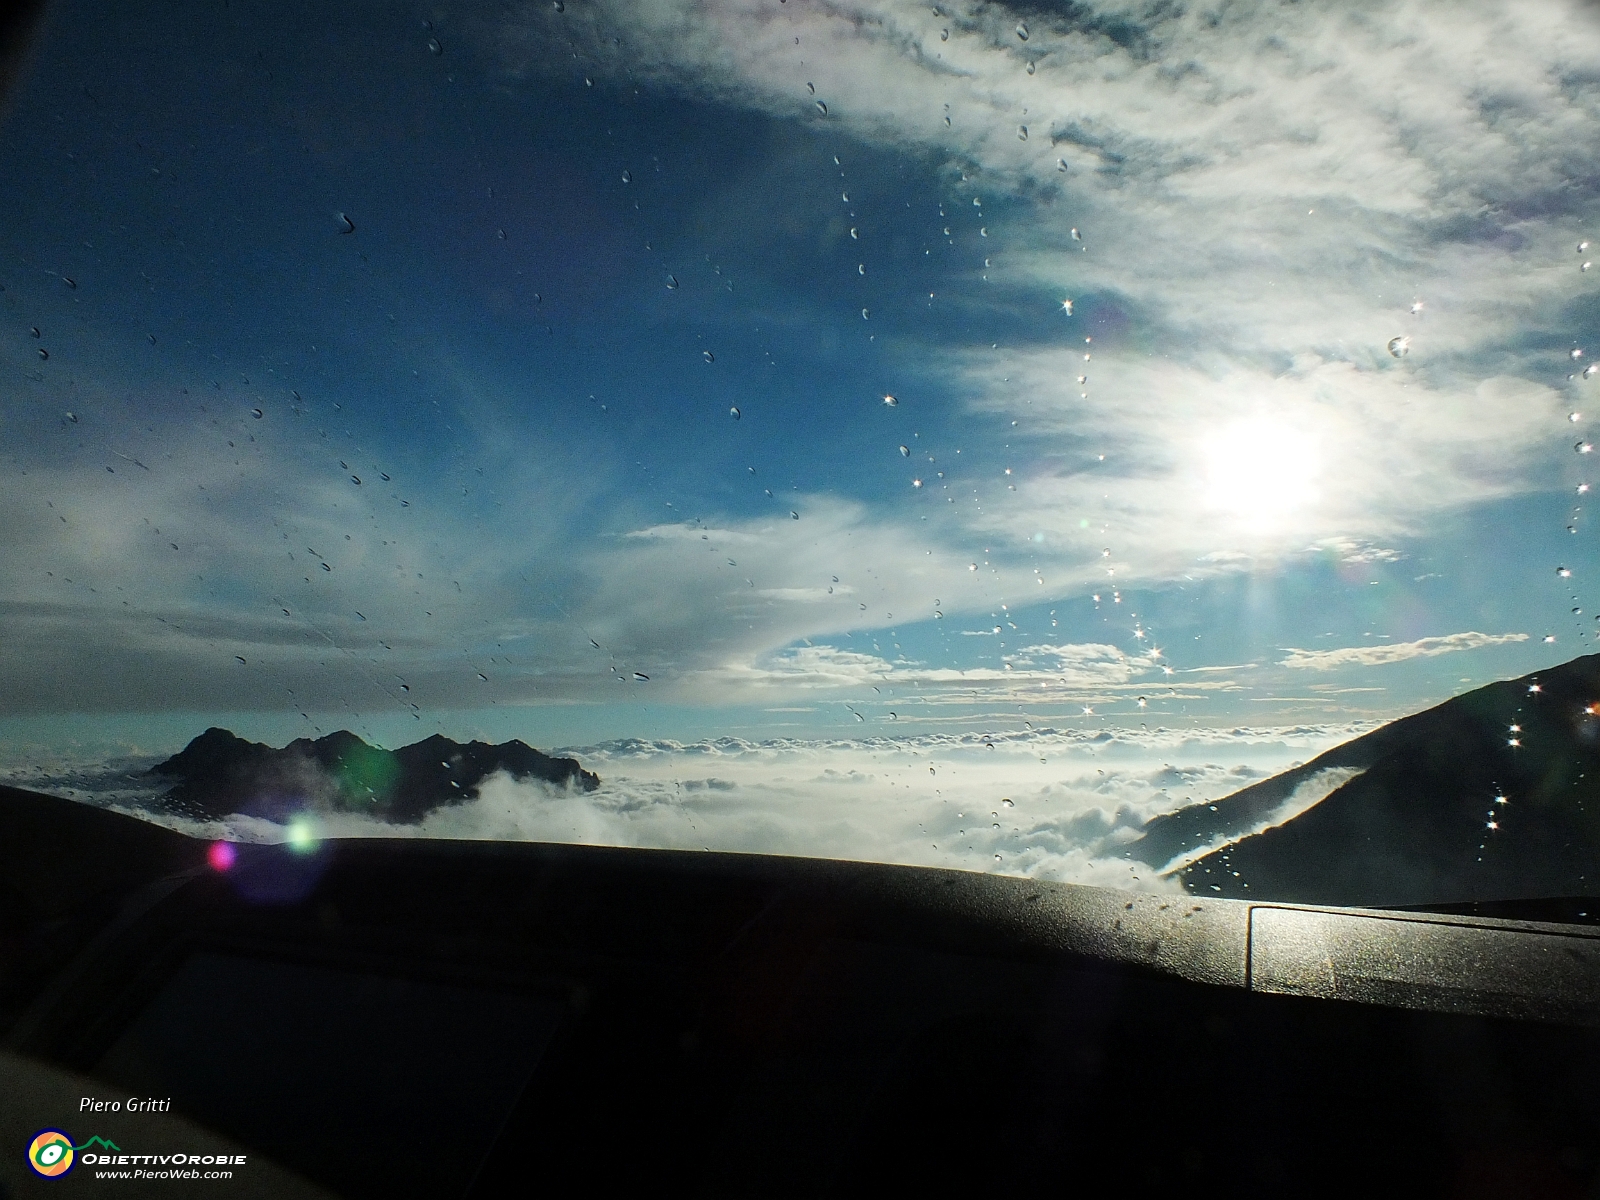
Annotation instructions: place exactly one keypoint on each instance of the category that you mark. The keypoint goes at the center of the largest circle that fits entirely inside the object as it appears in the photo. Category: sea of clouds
(1050, 804)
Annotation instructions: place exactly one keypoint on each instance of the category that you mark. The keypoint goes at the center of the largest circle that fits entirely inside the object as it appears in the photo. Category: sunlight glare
(1260, 470)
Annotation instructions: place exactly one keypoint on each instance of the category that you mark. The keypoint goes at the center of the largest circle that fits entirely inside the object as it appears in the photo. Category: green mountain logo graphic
(99, 1141)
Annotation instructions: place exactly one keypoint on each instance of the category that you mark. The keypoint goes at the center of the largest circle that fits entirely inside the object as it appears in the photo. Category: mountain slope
(1493, 794)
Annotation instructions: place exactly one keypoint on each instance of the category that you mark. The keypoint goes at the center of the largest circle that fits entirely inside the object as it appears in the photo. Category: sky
(773, 369)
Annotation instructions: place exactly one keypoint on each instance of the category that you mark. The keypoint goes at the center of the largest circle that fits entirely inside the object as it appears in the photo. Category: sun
(1260, 471)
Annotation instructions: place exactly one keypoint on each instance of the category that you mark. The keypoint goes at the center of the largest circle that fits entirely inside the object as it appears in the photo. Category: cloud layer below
(1043, 804)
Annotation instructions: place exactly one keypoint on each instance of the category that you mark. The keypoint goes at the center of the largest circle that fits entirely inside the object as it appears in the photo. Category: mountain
(1494, 794)
(219, 773)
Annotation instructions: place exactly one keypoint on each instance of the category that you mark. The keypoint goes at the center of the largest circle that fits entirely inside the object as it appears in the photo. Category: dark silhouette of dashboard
(415, 1017)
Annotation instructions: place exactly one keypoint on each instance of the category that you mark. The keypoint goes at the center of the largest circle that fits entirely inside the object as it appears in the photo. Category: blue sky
(495, 307)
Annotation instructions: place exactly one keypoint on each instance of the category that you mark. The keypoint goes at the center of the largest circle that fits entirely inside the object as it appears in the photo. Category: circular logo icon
(50, 1153)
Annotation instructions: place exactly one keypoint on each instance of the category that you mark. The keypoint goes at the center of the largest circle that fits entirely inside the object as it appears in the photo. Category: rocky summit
(219, 773)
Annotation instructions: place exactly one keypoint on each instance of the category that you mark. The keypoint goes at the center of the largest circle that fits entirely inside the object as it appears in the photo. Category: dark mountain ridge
(219, 774)
(1494, 794)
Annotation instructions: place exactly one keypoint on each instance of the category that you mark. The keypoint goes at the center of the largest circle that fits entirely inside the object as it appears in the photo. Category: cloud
(1051, 804)
(1247, 202)
(1371, 656)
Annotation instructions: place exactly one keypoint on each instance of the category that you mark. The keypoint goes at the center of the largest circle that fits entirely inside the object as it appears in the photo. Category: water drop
(1585, 266)
(1400, 346)
(1582, 246)
(627, 177)
(944, 35)
(1575, 354)
(863, 314)
(822, 108)
(241, 661)
(356, 479)
(983, 231)
(947, 126)
(641, 677)
(916, 483)
(1582, 447)
(326, 567)
(1005, 802)
(1061, 164)
(1022, 133)
(1030, 68)
(859, 717)
(1591, 370)
(811, 87)
(559, 5)
(708, 356)
(257, 413)
(72, 418)
(861, 268)
(349, 225)
(972, 566)
(434, 47)
(937, 615)
(34, 331)
(1076, 236)
(854, 234)
(905, 451)
(672, 282)
(894, 716)
(891, 401)
(794, 515)
(69, 281)
(1022, 31)
(734, 413)
(43, 353)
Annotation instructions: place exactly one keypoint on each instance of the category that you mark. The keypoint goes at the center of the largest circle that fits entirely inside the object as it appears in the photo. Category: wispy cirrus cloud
(1371, 656)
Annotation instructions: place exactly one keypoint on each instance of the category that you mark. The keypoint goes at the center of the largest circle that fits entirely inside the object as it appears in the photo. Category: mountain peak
(1492, 794)
(220, 773)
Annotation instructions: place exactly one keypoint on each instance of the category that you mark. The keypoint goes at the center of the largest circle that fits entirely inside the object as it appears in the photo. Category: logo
(51, 1153)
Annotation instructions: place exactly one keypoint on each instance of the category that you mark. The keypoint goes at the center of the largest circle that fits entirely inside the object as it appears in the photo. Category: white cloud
(1370, 656)
(1262, 192)
(1067, 804)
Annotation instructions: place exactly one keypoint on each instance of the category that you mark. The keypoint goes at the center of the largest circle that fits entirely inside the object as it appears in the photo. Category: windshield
(970, 435)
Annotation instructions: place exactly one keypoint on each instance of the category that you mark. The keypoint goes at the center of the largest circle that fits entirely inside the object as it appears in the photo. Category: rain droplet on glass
(434, 47)
(734, 413)
(708, 356)
(257, 413)
(822, 108)
(891, 401)
(1022, 31)
(1400, 346)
